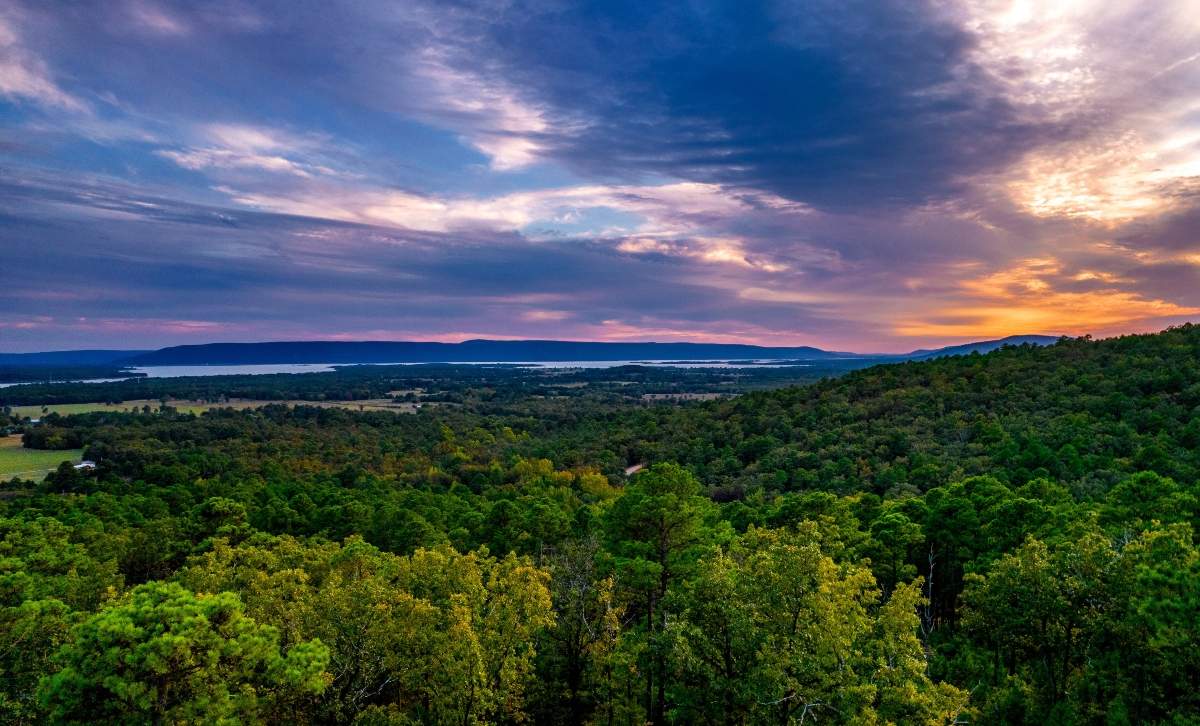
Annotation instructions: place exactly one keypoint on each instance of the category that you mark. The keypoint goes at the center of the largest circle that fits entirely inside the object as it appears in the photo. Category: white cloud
(197, 159)
(663, 211)
(492, 115)
(683, 219)
(256, 139)
(719, 250)
(24, 76)
(1118, 75)
(155, 19)
(242, 146)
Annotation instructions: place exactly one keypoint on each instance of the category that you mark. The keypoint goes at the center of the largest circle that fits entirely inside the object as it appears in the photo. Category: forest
(477, 385)
(977, 539)
(37, 374)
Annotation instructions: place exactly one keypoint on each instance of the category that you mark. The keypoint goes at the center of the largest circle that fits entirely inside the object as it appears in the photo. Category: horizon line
(967, 341)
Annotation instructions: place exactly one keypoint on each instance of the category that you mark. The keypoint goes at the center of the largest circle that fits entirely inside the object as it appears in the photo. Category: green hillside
(1000, 538)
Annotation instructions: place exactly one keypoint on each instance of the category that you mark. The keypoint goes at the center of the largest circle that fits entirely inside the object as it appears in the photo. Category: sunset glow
(875, 178)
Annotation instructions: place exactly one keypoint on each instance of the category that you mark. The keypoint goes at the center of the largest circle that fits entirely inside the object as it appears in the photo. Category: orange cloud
(1024, 299)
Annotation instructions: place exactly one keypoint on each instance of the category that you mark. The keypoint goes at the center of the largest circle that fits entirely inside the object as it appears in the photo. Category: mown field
(28, 463)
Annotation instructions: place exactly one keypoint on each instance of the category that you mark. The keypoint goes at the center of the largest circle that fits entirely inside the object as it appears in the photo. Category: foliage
(164, 654)
(1006, 538)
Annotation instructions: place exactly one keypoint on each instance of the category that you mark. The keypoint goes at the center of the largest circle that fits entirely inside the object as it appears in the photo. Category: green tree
(894, 541)
(1145, 665)
(41, 558)
(30, 634)
(165, 654)
(1020, 609)
(438, 636)
(772, 630)
(654, 529)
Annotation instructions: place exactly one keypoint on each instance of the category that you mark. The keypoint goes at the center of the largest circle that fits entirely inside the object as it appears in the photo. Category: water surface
(265, 369)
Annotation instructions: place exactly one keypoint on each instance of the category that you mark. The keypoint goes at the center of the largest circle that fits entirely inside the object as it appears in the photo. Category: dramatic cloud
(1038, 294)
(855, 174)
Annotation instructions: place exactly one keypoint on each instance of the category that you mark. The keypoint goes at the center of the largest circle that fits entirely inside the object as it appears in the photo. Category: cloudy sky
(859, 175)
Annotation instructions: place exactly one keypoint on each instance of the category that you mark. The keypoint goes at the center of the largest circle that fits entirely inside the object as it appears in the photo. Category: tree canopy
(1000, 538)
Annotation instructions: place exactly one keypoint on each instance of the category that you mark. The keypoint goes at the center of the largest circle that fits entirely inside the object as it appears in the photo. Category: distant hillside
(984, 346)
(1078, 411)
(67, 358)
(471, 351)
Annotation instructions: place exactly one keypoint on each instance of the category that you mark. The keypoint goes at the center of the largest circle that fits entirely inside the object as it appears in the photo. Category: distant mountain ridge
(68, 357)
(473, 351)
(983, 346)
(470, 351)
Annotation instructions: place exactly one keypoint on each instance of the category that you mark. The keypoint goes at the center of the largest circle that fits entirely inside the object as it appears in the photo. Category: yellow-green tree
(437, 637)
(167, 655)
(772, 630)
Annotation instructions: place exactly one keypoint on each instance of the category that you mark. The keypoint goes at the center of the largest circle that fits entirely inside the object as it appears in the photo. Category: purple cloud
(871, 176)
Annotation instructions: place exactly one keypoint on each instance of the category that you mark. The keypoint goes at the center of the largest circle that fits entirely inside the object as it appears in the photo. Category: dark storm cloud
(842, 104)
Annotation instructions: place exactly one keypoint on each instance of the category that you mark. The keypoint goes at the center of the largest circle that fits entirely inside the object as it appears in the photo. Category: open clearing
(188, 406)
(16, 461)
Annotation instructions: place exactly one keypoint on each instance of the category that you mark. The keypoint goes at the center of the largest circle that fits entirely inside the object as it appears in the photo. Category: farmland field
(197, 407)
(16, 461)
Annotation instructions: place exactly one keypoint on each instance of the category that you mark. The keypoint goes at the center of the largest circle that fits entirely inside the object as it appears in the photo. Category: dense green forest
(1005, 538)
(48, 374)
(482, 387)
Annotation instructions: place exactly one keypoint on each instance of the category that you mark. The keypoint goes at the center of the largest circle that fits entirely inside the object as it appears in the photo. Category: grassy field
(29, 463)
(66, 409)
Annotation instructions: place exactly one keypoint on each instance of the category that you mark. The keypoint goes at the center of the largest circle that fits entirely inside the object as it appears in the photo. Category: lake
(265, 369)
(272, 368)
(87, 380)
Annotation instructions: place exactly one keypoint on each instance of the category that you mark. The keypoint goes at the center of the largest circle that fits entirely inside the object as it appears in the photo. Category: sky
(874, 176)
